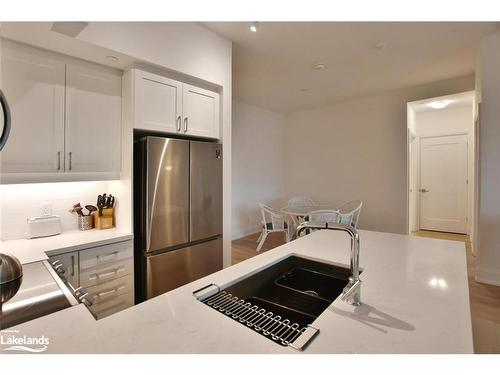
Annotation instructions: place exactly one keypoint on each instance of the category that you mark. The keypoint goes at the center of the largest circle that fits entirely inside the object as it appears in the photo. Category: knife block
(106, 220)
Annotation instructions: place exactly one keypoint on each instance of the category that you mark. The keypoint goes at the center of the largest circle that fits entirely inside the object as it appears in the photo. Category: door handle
(70, 161)
(185, 124)
(178, 123)
(59, 160)
(424, 190)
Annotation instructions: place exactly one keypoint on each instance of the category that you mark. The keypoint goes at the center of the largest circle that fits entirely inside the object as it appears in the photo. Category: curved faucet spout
(352, 291)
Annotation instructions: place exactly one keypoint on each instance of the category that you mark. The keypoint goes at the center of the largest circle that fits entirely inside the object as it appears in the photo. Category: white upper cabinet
(201, 111)
(166, 105)
(158, 102)
(66, 117)
(93, 118)
(33, 84)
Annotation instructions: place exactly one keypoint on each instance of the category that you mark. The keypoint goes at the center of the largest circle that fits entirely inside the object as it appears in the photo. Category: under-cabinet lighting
(253, 27)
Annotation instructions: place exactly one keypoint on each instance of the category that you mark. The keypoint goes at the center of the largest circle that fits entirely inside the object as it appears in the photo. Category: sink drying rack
(271, 325)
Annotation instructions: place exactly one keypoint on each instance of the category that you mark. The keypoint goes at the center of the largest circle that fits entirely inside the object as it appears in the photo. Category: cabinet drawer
(108, 272)
(111, 289)
(104, 309)
(107, 254)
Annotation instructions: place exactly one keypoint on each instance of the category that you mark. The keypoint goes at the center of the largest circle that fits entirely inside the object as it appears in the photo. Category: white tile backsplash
(18, 202)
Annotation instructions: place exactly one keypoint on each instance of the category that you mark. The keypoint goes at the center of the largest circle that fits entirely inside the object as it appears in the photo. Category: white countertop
(33, 250)
(415, 300)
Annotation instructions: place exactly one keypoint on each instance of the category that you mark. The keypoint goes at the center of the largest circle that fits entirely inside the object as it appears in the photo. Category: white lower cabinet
(106, 272)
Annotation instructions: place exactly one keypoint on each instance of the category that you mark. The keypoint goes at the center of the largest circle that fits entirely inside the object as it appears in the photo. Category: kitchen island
(415, 300)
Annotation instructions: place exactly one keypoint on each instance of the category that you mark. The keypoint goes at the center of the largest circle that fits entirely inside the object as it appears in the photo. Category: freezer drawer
(205, 190)
(167, 193)
(175, 268)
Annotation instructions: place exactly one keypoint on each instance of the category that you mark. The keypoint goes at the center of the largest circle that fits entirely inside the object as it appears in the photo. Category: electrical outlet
(46, 208)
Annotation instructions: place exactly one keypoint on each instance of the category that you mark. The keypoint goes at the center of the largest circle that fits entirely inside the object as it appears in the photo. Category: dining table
(302, 211)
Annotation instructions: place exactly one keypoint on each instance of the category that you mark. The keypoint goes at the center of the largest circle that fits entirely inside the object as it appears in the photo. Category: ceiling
(274, 67)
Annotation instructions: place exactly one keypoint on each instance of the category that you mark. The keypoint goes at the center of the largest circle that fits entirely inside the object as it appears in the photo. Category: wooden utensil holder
(106, 220)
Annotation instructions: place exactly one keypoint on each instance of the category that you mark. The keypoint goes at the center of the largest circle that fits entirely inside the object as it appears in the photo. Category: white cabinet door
(158, 103)
(93, 118)
(33, 83)
(201, 112)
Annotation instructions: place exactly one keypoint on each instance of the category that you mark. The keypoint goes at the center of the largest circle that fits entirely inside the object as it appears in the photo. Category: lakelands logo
(14, 342)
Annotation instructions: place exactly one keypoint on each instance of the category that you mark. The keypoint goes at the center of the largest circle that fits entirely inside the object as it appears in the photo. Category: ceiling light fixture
(438, 104)
(319, 66)
(253, 27)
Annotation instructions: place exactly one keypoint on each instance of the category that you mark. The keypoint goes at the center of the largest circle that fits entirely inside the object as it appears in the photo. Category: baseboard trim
(488, 276)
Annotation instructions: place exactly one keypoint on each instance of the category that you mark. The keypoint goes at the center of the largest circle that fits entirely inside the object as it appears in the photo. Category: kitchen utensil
(11, 275)
(111, 202)
(91, 208)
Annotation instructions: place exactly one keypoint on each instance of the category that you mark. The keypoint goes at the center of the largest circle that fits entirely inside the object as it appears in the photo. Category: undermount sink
(294, 290)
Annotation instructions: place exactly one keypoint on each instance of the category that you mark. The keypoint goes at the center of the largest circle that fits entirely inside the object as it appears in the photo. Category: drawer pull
(103, 256)
(106, 275)
(106, 293)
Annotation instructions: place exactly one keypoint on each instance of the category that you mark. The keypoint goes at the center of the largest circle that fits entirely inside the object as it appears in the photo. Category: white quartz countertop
(415, 300)
(33, 250)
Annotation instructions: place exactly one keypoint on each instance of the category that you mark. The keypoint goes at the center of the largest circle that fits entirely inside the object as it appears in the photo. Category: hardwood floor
(484, 299)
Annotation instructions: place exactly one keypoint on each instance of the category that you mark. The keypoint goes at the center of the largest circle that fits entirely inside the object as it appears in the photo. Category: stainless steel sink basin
(295, 290)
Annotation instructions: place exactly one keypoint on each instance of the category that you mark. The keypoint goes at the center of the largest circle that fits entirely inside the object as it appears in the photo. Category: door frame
(419, 172)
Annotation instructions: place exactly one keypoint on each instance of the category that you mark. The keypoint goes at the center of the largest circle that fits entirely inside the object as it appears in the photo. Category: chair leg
(262, 240)
(260, 237)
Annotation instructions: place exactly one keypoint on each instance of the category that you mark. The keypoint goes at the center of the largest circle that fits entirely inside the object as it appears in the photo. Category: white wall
(451, 120)
(439, 122)
(258, 165)
(489, 170)
(19, 202)
(357, 150)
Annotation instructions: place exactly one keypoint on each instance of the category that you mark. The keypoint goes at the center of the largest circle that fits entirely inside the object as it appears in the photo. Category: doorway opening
(441, 164)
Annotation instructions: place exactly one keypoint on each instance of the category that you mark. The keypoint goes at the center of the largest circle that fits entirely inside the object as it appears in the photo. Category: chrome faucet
(352, 291)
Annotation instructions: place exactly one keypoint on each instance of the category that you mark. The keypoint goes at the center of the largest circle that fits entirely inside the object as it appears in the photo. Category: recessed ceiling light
(111, 57)
(381, 45)
(253, 27)
(438, 104)
(319, 66)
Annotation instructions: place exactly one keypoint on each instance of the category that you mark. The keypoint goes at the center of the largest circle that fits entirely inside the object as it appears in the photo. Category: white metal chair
(323, 216)
(272, 221)
(349, 212)
(300, 201)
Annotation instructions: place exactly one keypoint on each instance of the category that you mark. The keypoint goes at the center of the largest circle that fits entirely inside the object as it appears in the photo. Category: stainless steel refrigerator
(177, 212)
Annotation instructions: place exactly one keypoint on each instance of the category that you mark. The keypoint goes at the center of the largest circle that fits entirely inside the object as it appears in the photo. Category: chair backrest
(324, 216)
(300, 201)
(270, 215)
(350, 211)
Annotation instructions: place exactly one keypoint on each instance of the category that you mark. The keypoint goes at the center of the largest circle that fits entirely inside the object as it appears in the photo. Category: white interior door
(443, 183)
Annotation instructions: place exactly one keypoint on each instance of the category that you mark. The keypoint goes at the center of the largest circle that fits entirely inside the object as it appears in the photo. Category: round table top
(304, 210)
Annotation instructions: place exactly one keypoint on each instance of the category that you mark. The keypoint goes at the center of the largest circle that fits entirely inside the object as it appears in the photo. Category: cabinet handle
(72, 265)
(70, 161)
(178, 123)
(103, 256)
(185, 124)
(58, 160)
